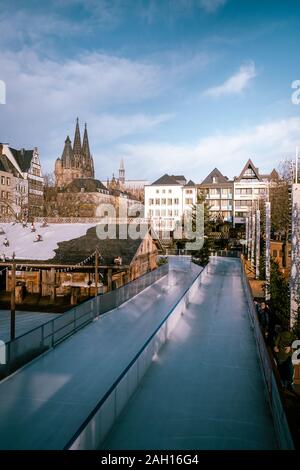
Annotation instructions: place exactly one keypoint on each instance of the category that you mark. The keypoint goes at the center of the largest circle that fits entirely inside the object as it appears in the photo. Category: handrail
(281, 426)
(40, 339)
(126, 369)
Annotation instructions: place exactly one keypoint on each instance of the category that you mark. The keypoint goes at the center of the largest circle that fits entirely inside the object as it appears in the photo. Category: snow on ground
(21, 240)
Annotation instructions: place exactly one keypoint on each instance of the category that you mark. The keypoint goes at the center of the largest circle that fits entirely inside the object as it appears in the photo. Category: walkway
(205, 391)
(43, 404)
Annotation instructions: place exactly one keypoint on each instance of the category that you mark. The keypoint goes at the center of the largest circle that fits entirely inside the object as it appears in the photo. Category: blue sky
(177, 86)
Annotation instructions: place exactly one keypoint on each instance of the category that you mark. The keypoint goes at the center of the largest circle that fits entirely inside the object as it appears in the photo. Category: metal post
(268, 244)
(13, 300)
(253, 240)
(257, 244)
(96, 271)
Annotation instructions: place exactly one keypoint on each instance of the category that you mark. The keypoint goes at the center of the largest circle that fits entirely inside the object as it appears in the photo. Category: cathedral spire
(67, 156)
(77, 140)
(85, 144)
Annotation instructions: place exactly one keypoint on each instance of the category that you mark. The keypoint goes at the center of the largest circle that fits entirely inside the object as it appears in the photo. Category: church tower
(122, 172)
(76, 161)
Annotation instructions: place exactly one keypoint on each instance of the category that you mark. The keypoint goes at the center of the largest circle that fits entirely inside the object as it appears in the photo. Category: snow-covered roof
(21, 240)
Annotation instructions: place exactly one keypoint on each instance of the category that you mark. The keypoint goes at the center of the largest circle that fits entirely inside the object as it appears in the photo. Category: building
(249, 187)
(63, 263)
(233, 200)
(27, 192)
(167, 200)
(76, 160)
(218, 192)
(133, 187)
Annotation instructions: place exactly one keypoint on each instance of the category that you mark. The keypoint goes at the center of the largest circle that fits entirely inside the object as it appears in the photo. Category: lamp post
(13, 299)
(96, 271)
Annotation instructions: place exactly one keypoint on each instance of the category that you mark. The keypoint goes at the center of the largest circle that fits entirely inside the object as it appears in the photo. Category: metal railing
(38, 340)
(281, 426)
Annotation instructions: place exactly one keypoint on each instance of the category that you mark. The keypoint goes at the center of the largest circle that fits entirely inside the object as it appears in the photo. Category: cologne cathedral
(76, 161)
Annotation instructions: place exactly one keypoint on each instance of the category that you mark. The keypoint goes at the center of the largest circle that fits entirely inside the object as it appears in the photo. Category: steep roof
(249, 165)
(67, 155)
(23, 158)
(76, 250)
(7, 166)
(190, 183)
(166, 180)
(215, 173)
(180, 178)
(90, 185)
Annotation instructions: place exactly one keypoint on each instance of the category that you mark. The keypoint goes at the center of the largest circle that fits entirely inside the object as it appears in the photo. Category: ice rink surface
(205, 390)
(43, 404)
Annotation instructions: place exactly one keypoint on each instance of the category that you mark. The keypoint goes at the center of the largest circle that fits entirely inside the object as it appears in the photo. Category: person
(38, 238)
(5, 242)
(3, 257)
(32, 227)
(44, 224)
(264, 318)
(283, 353)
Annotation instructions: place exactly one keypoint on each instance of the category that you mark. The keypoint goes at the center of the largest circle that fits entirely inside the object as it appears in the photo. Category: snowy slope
(21, 240)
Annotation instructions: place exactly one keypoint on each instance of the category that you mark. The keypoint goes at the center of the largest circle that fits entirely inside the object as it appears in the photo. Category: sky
(170, 86)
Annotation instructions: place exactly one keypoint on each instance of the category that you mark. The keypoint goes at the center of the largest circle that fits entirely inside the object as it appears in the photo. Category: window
(188, 200)
(244, 191)
(151, 202)
(169, 202)
(176, 212)
(170, 212)
(164, 191)
(214, 180)
(8, 181)
(215, 191)
(188, 191)
(150, 212)
(176, 201)
(2, 180)
(157, 202)
(157, 212)
(157, 191)
(170, 190)
(3, 194)
(163, 212)
(163, 202)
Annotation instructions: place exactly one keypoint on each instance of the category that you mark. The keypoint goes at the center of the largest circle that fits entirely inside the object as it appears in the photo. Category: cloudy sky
(177, 86)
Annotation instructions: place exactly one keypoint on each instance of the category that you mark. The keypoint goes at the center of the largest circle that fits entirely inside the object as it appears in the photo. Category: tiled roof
(215, 174)
(74, 251)
(166, 180)
(90, 185)
(23, 158)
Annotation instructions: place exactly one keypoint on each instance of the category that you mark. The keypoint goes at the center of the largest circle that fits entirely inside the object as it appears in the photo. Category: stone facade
(76, 161)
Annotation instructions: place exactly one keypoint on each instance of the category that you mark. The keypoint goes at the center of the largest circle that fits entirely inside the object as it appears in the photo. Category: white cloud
(212, 5)
(235, 84)
(267, 144)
